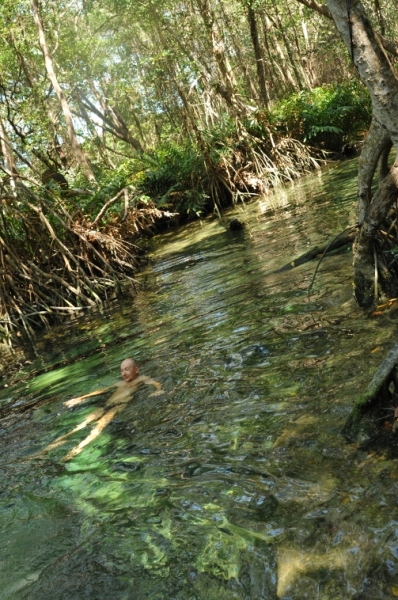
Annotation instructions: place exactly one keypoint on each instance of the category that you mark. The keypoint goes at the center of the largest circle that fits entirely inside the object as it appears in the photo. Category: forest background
(119, 115)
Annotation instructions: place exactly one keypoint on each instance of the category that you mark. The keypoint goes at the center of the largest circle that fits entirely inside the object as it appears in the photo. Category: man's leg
(101, 424)
(96, 414)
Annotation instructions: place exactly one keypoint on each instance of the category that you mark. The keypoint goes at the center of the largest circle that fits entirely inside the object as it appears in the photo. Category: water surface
(236, 482)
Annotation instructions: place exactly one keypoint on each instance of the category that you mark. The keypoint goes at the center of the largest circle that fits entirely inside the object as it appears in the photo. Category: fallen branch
(344, 238)
(328, 250)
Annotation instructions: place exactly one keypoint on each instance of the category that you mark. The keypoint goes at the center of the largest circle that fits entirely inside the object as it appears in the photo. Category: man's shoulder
(142, 379)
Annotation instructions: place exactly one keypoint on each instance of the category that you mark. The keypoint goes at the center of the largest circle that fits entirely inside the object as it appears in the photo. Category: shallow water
(236, 482)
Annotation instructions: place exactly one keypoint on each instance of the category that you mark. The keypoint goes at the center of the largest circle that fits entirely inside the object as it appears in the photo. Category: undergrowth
(327, 117)
(85, 239)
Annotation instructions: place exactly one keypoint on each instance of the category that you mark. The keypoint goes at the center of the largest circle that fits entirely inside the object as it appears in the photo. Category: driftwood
(339, 243)
(382, 388)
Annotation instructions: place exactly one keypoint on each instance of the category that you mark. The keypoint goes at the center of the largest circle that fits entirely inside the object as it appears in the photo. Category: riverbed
(236, 482)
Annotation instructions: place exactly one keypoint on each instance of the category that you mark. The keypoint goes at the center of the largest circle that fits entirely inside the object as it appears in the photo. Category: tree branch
(106, 206)
(322, 9)
(388, 45)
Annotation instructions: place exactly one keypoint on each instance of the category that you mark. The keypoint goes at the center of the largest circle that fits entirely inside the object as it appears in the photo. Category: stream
(236, 482)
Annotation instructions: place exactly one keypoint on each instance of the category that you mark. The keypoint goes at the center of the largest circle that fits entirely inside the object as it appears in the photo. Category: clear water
(236, 483)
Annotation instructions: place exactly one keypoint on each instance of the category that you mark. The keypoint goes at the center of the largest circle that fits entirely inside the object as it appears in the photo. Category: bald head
(129, 369)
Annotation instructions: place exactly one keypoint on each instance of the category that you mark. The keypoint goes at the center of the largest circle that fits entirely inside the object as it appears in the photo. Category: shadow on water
(236, 483)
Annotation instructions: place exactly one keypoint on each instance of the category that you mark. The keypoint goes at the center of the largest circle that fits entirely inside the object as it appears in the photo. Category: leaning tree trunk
(78, 152)
(377, 73)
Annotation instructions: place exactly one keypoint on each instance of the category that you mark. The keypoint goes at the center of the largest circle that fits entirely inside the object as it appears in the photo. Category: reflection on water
(236, 483)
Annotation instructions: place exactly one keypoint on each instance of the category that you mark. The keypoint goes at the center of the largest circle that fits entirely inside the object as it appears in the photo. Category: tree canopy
(85, 82)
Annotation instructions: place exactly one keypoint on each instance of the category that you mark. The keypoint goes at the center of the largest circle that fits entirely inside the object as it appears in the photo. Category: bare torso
(124, 390)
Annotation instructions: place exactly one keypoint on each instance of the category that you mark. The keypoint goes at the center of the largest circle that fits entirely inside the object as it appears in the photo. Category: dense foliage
(328, 116)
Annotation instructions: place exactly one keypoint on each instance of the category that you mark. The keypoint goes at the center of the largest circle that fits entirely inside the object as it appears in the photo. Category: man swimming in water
(116, 403)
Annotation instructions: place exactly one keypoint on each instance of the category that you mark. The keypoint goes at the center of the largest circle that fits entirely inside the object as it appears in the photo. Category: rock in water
(236, 225)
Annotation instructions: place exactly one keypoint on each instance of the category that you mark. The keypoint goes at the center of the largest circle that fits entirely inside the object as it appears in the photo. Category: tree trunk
(376, 142)
(101, 141)
(364, 248)
(281, 28)
(137, 123)
(8, 158)
(376, 391)
(388, 45)
(239, 51)
(114, 124)
(374, 68)
(258, 53)
(383, 167)
(79, 154)
(305, 71)
(376, 72)
(228, 87)
(284, 71)
(7, 151)
(380, 17)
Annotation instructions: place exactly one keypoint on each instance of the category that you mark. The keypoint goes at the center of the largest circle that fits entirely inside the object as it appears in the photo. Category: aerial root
(381, 390)
(53, 264)
(254, 165)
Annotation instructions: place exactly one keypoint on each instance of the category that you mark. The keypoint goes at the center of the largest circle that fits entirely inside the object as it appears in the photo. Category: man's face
(128, 370)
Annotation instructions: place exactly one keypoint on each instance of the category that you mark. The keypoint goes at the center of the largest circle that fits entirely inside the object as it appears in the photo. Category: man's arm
(149, 381)
(79, 399)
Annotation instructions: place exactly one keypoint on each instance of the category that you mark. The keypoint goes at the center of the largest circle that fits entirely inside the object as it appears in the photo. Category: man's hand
(157, 393)
(74, 401)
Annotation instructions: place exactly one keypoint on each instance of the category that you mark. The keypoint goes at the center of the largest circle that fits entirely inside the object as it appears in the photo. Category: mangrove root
(54, 262)
(383, 388)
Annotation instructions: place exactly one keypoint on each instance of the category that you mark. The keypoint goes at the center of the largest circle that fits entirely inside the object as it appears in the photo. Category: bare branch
(106, 206)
